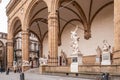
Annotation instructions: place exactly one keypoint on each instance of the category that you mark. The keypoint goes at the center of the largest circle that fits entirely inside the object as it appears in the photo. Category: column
(53, 38)
(10, 53)
(116, 55)
(25, 50)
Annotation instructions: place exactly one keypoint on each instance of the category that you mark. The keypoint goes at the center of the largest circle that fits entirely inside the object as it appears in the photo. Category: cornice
(11, 5)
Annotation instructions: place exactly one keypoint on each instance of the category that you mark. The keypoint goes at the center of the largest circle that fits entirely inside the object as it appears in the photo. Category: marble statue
(106, 54)
(106, 46)
(76, 57)
(75, 39)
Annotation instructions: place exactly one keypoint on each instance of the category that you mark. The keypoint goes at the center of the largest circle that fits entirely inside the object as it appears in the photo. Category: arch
(67, 24)
(44, 35)
(35, 35)
(37, 13)
(39, 19)
(74, 13)
(12, 26)
(39, 42)
(100, 9)
(2, 52)
(28, 11)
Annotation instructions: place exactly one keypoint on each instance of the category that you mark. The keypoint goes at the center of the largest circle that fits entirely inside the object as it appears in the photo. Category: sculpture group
(75, 39)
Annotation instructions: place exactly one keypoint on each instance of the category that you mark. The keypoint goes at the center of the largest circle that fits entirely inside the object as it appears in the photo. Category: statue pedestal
(76, 61)
(42, 69)
(25, 68)
(106, 58)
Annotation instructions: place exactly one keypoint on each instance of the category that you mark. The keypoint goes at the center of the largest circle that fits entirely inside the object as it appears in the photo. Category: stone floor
(33, 76)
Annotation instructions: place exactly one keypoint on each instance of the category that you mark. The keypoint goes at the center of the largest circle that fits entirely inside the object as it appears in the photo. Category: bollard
(7, 72)
(22, 76)
(106, 76)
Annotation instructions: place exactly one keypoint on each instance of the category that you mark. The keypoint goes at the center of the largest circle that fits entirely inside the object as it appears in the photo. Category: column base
(53, 61)
(25, 68)
(42, 69)
(10, 65)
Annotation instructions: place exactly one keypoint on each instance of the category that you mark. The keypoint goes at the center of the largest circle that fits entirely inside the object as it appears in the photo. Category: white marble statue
(76, 57)
(106, 46)
(106, 54)
(75, 39)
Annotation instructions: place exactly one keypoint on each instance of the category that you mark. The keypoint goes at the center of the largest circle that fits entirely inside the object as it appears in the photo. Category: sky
(3, 17)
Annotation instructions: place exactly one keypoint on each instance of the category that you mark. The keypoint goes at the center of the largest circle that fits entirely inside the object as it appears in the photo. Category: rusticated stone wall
(112, 69)
(57, 69)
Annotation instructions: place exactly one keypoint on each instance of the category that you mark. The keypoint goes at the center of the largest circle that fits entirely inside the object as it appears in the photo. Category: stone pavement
(33, 76)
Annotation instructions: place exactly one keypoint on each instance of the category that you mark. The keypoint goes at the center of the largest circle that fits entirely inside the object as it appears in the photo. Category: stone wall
(57, 69)
(86, 69)
(112, 69)
(89, 59)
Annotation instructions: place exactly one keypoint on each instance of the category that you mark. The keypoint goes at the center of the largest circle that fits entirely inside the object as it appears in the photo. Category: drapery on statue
(106, 46)
(75, 39)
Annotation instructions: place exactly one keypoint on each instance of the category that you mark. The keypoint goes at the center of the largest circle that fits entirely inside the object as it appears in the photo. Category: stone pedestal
(42, 69)
(106, 58)
(76, 61)
(25, 68)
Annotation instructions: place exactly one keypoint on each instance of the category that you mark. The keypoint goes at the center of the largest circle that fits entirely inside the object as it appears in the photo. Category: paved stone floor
(33, 76)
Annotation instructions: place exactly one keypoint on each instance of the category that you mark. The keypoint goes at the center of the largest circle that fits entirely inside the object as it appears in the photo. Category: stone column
(53, 38)
(10, 53)
(25, 50)
(116, 55)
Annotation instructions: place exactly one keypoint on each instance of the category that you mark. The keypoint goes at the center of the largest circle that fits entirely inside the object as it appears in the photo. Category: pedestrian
(7, 72)
(1, 70)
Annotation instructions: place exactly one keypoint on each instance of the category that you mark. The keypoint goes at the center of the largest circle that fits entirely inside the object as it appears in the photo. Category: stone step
(33, 70)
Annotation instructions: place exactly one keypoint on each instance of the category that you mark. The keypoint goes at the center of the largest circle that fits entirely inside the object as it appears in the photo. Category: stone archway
(37, 21)
(72, 13)
(14, 28)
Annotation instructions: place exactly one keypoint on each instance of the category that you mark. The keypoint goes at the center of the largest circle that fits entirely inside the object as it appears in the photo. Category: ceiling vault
(38, 12)
(90, 8)
(39, 29)
(105, 5)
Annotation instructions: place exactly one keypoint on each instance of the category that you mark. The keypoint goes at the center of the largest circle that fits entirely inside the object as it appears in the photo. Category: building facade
(3, 51)
(53, 20)
(33, 51)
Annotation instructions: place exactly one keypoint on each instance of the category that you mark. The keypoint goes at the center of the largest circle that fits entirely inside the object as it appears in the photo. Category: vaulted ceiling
(70, 12)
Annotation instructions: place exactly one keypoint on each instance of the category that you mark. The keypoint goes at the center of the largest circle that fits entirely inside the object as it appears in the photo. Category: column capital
(53, 15)
(25, 32)
(9, 42)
